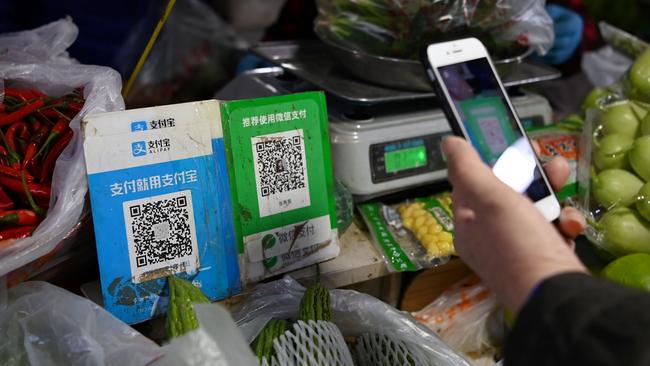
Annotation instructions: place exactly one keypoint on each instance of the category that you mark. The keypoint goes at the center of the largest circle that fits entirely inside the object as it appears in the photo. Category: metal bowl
(394, 72)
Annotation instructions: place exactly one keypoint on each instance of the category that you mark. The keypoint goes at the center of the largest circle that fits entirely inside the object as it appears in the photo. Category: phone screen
(491, 126)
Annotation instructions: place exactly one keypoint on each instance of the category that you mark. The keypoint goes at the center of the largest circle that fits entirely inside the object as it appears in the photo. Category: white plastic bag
(217, 342)
(605, 66)
(354, 313)
(46, 44)
(102, 87)
(45, 325)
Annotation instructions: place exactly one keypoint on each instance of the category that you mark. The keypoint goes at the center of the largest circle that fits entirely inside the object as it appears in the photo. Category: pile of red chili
(34, 130)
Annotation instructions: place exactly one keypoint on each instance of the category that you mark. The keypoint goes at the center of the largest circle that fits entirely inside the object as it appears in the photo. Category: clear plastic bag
(614, 176)
(195, 54)
(402, 28)
(42, 324)
(46, 44)
(468, 317)
(101, 88)
(354, 313)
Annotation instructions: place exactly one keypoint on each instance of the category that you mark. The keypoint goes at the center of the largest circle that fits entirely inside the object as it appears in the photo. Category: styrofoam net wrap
(374, 349)
(317, 343)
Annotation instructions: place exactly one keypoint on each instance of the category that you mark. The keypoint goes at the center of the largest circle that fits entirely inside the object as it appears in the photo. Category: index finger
(465, 169)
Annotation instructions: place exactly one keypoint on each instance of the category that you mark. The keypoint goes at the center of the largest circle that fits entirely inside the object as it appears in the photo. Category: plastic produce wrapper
(402, 28)
(193, 57)
(216, 342)
(354, 313)
(413, 234)
(101, 88)
(468, 317)
(612, 174)
(42, 324)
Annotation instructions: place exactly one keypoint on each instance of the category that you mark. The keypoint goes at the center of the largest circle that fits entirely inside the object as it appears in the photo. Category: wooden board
(428, 284)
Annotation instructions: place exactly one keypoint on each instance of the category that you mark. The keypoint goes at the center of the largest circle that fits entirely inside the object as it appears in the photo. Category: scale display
(407, 157)
(410, 158)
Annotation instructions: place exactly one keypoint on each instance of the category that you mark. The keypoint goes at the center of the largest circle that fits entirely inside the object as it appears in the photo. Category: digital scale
(383, 140)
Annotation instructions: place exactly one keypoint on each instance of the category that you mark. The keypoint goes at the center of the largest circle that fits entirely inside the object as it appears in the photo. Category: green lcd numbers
(403, 159)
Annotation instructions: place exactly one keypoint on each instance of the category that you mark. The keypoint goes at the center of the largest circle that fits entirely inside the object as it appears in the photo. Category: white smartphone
(478, 109)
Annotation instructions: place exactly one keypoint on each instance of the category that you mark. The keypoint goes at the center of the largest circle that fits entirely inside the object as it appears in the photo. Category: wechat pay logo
(268, 241)
(138, 148)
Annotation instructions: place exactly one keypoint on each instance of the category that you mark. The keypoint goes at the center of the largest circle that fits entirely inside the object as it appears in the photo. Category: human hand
(500, 234)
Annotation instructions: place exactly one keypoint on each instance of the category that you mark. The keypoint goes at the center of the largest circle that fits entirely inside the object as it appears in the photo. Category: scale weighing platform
(383, 140)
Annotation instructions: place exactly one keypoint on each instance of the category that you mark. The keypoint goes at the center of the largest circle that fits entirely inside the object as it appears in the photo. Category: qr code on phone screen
(280, 171)
(161, 234)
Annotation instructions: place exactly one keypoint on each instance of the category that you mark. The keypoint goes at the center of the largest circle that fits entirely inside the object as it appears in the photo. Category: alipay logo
(138, 126)
(139, 148)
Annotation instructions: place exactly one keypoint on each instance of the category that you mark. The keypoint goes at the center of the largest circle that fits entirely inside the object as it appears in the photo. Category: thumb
(466, 171)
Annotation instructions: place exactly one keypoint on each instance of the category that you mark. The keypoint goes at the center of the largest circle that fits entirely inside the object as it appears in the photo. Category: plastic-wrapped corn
(430, 232)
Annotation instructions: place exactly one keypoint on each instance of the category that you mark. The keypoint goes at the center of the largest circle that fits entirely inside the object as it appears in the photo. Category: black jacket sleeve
(577, 319)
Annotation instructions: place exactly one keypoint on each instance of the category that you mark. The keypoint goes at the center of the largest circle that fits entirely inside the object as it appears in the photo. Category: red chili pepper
(50, 159)
(10, 101)
(21, 93)
(22, 112)
(15, 185)
(6, 202)
(4, 157)
(54, 110)
(28, 192)
(49, 113)
(20, 128)
(13, 107)
(17, 232)
(14, 159)
(13, 173)
(33, 169)
(74, 106)
(59, 127)
(35, 123)
(34, 144)
(20, 217)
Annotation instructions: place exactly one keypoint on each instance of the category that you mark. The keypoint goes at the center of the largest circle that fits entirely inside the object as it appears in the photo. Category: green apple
(640, 74)
(619, 118)
(639, 157)
(611, 152)
(592, 99)
(643, 201)
(625, 231)
(640, 109)
(616, 187)
(645, 125)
